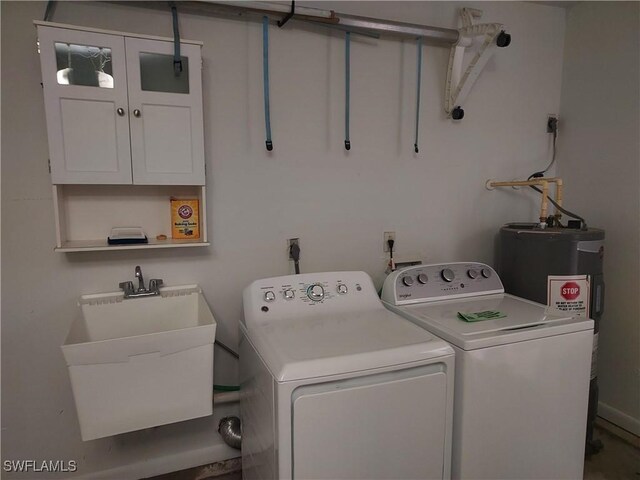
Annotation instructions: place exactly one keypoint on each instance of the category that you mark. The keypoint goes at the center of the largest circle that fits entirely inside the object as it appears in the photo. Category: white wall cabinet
(117, 113)
(125, 134)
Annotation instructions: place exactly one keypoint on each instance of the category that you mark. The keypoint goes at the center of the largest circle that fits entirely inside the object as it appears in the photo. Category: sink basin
(141, 362)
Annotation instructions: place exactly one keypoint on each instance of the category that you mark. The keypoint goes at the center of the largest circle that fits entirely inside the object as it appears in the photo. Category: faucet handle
(127, 287)
(155, 284)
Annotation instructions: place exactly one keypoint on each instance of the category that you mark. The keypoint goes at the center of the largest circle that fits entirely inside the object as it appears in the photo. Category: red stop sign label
(570, 291)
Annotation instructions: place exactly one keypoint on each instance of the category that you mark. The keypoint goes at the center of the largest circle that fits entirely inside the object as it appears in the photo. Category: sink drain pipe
(230, 430)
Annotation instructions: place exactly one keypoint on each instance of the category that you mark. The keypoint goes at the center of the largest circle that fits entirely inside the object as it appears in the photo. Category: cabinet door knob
(120, 111)
(137, 113)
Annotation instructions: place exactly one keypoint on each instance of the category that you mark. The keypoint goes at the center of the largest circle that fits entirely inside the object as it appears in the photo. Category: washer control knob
(486, 273)
(473, 274)
(269, 296)
(289, 294)
(422, 278)
(407, 281)
(447, 275)
(315, 292)
(342, 289)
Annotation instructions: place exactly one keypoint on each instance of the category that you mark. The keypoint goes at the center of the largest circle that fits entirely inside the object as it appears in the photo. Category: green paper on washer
(478, 316)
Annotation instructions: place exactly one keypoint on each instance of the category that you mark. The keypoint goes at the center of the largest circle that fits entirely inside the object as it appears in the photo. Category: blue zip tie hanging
(347, 95)
(265, 72)
(419, 63)
(177, 59)
(48, 13)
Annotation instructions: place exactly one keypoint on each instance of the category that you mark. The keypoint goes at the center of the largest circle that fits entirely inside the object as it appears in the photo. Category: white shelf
(102, 245)
(85, 215)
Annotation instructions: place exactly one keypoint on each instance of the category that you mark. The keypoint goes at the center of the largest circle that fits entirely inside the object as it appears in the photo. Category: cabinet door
(167, 137)
(85, 93)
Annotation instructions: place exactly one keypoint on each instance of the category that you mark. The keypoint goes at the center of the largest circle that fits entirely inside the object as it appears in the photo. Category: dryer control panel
(442, 281)
(309, 294)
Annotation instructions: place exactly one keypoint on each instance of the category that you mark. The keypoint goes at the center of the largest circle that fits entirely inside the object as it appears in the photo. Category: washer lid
(524, 320)
(321, 345)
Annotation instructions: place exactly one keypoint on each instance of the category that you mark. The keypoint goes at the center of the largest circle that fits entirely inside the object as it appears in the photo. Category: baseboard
(621, 419)
(158, 466)
(170, 448)
(624, 435)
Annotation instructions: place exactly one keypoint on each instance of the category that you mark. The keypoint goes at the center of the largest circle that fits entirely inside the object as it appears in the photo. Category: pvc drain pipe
(225, 397)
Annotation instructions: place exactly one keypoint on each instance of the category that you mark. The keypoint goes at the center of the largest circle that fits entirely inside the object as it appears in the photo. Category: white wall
(338, 203)
(599, 146)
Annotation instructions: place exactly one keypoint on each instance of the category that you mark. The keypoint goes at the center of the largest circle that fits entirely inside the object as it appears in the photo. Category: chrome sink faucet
(141, 291)
(140, 279)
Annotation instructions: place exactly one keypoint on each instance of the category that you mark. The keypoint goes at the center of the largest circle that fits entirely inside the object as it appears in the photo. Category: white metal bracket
(458, 83)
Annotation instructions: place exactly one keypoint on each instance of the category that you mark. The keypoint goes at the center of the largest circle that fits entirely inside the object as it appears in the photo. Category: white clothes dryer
(335, 386)
(522, 375)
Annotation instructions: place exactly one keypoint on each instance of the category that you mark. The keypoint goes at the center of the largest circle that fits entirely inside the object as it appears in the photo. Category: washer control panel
(316, 292)
(424, 283)
(309, 294)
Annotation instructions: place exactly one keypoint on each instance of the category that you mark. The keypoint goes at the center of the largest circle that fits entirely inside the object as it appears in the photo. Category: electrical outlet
(388, 236)
(552, 122)
(292, 241)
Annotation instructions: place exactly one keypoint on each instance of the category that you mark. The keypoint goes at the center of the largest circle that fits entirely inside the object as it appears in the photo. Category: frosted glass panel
(84, 65)
(157, 75)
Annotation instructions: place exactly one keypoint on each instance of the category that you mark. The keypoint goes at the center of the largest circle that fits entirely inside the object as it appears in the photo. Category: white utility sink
(141, 362)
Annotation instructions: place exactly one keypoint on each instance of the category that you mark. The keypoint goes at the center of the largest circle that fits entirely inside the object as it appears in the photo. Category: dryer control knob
(407, 281)
(422, 278)
(473, 274)
(269, 296)
(315, 292)
(289, 294)
(486, 273)
(342, 289)
(447, 275)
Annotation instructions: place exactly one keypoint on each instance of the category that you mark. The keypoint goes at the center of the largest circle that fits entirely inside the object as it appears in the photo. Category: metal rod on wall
(447, 36)
(356, 24)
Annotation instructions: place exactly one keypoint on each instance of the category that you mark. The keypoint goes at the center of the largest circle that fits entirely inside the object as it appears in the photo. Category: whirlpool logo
(405, 295)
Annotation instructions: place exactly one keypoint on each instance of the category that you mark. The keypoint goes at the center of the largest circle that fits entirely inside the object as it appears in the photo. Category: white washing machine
(522, 379)
(335, 386)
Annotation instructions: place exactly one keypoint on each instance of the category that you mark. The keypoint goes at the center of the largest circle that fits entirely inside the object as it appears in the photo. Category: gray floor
(619, 459)
(227, 470)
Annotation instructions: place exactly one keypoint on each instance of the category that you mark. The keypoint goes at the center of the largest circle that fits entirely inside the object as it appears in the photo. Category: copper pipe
(540, 182)
(545, 203)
